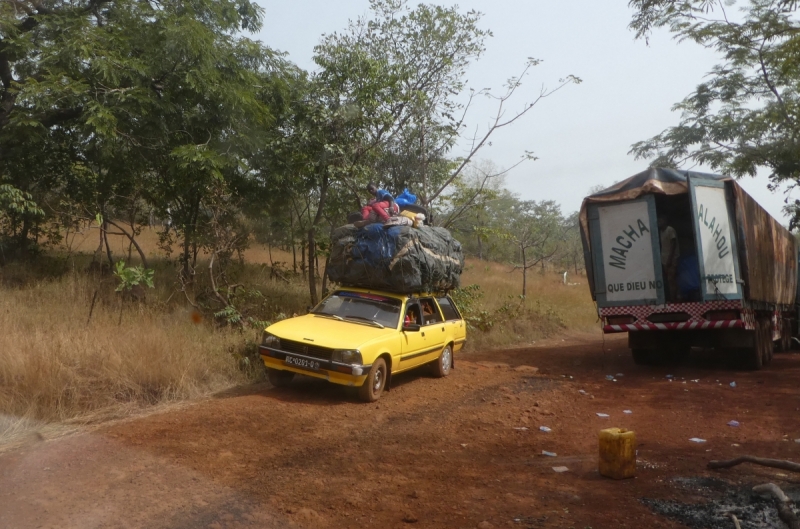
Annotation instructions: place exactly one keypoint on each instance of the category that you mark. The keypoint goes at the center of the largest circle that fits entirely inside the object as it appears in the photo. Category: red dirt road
(431, 453)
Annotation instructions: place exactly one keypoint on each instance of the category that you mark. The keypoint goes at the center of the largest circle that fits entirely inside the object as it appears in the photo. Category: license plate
(303, 363)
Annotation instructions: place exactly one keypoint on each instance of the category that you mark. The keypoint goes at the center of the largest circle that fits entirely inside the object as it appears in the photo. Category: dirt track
(431, 453)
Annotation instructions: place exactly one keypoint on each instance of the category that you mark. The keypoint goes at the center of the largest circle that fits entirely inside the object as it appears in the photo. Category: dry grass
(550, 306)
(54, 367)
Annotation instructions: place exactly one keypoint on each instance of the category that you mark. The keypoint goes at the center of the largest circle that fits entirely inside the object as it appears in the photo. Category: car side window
(412, 314)
(448, 309)
(430, 312)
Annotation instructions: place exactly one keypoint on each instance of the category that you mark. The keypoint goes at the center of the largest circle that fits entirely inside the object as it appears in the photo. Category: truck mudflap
(723, 314)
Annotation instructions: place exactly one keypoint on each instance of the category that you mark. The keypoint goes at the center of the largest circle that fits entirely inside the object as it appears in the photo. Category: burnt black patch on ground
(721, 499)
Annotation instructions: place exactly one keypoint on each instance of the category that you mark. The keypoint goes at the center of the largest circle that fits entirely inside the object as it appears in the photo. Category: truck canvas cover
(742, 250)
(398, 259)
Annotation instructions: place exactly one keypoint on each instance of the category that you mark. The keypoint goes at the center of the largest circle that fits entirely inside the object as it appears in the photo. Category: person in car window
(412, 316)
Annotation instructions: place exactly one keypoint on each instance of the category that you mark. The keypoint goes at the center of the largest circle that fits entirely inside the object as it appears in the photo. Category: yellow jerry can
(617, 453)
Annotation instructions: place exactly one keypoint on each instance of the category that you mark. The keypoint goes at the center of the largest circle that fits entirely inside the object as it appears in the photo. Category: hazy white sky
(583, 133)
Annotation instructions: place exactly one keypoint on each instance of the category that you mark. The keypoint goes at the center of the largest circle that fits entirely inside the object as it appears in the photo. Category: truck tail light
(620, 320)
(720, 315)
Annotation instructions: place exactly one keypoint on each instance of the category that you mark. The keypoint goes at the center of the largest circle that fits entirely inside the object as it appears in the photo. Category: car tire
(278, 378)
(442, 366)
(375, 382)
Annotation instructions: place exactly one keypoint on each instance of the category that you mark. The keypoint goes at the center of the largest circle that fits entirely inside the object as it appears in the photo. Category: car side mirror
(309, 309)
(412, 327)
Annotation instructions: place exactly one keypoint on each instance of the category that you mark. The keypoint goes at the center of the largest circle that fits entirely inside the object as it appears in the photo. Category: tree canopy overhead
(746, 114)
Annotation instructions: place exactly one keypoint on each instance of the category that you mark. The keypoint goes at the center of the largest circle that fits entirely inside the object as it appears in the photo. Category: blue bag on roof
(406, 198)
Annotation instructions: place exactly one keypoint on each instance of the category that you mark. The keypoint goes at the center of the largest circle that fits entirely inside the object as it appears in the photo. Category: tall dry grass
(549, 307)
(54, 366)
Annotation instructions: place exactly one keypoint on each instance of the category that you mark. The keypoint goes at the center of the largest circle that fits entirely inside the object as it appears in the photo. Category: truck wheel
(786, 335)
(644, 357)
(441, 366)
(373, 386)
(768, 347)
(756, 357)
(278, 378)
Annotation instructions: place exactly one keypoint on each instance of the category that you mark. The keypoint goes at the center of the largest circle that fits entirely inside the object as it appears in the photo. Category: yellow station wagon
(359, 337)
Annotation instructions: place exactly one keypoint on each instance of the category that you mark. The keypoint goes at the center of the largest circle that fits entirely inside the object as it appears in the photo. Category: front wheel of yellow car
(279, 378)
(373, 386)
(442, 366)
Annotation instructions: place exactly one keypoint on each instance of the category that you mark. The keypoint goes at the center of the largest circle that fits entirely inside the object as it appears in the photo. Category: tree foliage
(746, 115)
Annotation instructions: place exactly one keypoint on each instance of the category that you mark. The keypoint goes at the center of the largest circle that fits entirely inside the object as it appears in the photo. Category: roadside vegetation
(149, 347)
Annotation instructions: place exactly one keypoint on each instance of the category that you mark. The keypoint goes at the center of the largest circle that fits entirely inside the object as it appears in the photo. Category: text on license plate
(305, 363)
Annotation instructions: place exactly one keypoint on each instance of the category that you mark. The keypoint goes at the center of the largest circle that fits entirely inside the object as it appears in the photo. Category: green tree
(537, 228)
(746, 115)
(109, 106)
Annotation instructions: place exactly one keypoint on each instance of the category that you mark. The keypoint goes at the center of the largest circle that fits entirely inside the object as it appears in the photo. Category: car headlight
(270, 340)
(347, 356)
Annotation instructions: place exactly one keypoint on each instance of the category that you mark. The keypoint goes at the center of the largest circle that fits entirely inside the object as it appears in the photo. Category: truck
(682, 259)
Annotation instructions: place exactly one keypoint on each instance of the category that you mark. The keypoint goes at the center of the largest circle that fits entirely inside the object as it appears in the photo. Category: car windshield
(359, 306)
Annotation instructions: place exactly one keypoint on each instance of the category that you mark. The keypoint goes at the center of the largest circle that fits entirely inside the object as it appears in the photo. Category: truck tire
(761, 353)
(644, 357)
(786, 335)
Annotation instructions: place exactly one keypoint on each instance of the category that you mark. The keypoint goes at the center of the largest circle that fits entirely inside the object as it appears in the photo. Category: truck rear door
(625, 253)
(712, 206)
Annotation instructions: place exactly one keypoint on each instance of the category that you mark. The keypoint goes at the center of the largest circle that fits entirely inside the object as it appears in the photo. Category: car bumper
(338, 373)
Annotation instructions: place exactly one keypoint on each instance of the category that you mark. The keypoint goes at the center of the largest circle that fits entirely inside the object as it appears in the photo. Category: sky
(581, 134)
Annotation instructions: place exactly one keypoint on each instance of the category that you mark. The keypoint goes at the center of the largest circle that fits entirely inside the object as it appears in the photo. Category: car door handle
(423, 334)
(442, 329)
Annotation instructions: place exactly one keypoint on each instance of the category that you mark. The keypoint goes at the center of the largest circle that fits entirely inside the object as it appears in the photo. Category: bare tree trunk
(291, 237)
(524, 272)
(312, 269)
(325, 276)
(105, 239)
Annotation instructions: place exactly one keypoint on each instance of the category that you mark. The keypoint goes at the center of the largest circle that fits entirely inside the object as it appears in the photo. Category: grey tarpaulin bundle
(397, 259)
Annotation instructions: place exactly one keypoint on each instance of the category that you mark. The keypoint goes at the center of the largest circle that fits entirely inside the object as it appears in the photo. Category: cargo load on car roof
(396, 259)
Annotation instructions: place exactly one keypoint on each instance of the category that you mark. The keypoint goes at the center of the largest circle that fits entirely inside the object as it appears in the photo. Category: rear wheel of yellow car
(442, 366)
(373, 386)
(279, 378)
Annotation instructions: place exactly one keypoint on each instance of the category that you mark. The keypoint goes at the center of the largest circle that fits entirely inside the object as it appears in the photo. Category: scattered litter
(797, 440)
(463, 445)
(609, 377)
(733, 423)
(521, 428)
(560, 469)
(669, 376)
(697, 440)
(618, 375)
(613, 380)
(696, 380)
(602, 415)
(570, 376)
(670, 380)
(683, 382)
(548, 454)
(582, 392)
(733, 384)
(735, 444)
(545, 429)
(627, 412)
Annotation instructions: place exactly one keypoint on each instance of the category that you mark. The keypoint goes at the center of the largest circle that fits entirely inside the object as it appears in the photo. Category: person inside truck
(670, 254)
